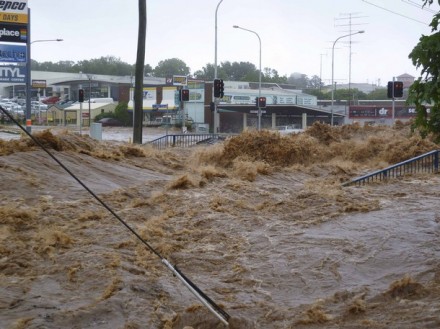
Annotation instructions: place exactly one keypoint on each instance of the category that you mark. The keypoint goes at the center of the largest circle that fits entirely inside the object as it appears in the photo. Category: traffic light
(184, 95)
(261, 102)
(398, 89)
(395, 89)
(390, 88)
(219, 88)
(81, 95)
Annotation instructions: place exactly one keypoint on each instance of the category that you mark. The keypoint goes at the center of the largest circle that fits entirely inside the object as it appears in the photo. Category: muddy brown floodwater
(259, 222)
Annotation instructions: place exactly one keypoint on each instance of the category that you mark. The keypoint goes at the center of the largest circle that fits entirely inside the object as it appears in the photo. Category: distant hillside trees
(108, 65)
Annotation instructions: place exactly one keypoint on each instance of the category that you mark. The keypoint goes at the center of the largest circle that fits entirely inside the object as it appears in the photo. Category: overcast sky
(296, 35)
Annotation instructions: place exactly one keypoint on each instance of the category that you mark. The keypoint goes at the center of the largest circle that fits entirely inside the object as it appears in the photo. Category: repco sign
(13, 33)
(14, 12)
(13, 5)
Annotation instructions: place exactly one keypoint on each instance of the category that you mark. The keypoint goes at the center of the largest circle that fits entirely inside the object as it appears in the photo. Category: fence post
(436, 161)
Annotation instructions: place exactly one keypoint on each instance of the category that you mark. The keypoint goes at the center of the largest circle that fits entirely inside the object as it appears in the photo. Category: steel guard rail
(182, 140)
(428, 162)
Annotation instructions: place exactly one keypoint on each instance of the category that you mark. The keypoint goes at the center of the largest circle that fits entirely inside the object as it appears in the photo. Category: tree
(172, 66)
(425, 90)
(271, 75)
(299, 80)
(379, 93)
(347, 94)
(207, 73)
(315, 83)
(148, 70)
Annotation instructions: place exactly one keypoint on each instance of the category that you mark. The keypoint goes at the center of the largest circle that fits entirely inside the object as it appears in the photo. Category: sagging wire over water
(201, 296)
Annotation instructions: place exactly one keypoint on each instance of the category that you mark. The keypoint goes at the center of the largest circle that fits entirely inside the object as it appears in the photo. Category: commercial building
(237, 109)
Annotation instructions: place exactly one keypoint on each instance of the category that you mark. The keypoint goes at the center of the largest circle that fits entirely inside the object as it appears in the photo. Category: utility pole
(320, 71)
(350, 24)
(139, 74)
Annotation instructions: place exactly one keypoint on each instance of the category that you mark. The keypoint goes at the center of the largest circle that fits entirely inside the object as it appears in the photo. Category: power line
(395, 13)
(412, 3)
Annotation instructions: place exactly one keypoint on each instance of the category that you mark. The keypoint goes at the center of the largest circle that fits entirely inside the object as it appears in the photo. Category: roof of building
(405, 75)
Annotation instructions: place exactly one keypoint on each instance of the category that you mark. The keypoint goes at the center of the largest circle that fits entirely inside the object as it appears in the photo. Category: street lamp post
(333, 68)
(216, 116)
(259, 79)
(90, 77)
(28, 77)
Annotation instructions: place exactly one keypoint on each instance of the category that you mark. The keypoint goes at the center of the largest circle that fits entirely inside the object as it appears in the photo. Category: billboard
(13, 33)
(12, 53)
(13, 73)
(15, 12)
(38, 83)
(150, 102)
(380, 112)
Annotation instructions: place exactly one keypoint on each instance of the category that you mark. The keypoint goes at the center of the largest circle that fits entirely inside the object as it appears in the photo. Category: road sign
(160, 106)
(256, 111)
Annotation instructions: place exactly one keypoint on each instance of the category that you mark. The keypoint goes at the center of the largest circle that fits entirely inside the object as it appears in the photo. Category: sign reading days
(14, 11)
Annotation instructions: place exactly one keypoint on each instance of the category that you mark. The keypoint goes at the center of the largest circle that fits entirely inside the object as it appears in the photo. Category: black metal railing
(428, 162)
(183, 140)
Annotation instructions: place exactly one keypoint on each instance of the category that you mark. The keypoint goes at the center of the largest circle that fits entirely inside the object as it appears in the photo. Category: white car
(284, 130)
(38, 106)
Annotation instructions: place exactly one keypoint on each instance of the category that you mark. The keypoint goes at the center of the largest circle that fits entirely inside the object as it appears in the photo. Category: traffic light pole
(215, 100)
(393, 103)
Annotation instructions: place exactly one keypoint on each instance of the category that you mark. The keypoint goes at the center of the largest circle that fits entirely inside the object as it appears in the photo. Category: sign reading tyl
(11, 73)
(14, 11)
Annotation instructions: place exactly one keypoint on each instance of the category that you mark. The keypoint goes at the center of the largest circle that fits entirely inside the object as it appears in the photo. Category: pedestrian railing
(428, 162)
(183, 140)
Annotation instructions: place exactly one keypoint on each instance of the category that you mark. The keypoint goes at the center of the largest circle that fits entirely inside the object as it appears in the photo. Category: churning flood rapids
(259, 222)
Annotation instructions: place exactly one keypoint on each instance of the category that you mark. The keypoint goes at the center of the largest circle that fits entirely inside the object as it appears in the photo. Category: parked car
(51, 100)
(110, 122)
(38, 106)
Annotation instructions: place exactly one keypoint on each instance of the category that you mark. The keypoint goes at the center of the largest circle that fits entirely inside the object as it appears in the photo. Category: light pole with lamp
(28, 78)
(333, 68)
(90, 77)
(216, 116)
(259, 79)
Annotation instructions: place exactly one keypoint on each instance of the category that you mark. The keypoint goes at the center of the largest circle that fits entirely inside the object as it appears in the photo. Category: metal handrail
(428, 162)
(182, 140)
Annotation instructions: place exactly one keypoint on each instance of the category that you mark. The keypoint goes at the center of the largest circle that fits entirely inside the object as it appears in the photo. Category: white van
(100, 100)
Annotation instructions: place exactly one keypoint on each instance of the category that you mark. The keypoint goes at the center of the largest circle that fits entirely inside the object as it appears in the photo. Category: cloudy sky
(296, 35)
